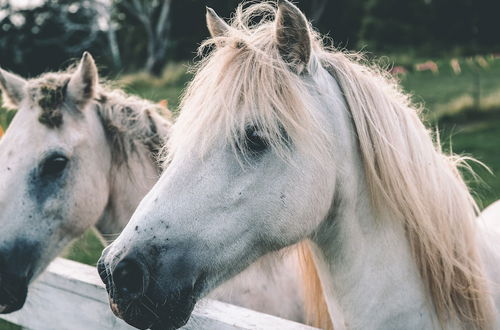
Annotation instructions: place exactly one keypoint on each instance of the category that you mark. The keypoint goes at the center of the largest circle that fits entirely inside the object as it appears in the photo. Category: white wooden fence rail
(70, 295)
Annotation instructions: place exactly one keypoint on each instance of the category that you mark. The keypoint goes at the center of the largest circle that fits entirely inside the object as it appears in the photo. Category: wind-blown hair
(407, 171)
(249, 85)
(244, 81)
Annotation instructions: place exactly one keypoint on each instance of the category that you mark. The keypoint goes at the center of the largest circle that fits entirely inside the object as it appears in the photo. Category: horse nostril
(129, 278)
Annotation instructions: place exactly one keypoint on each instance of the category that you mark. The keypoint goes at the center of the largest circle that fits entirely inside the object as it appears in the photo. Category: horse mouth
(144, 314)
(12, 295)
(133, 314)
(13, 305)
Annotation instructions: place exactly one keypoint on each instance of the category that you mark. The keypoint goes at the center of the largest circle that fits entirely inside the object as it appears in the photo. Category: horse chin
(133, 314)
(145, 314)
(12, 295)
(13, 306)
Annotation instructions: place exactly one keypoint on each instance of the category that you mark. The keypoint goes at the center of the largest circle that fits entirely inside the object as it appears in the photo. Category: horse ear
(293, 36)
(12, 88)
(216, 25)
(83, 83)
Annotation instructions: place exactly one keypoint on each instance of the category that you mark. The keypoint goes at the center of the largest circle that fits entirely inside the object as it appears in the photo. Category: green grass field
(446, 93)
(449, 100)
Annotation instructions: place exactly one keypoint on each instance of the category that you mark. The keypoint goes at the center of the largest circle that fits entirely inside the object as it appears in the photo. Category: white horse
(70, 152)
(79, 154)
(281, 139)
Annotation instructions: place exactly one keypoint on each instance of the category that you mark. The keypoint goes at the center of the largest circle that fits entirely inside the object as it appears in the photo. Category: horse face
(210, 216)
(53, 175)
(201, 224)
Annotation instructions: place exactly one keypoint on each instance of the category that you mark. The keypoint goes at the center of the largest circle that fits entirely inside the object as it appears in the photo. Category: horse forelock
(407, 173)
(130, 123)
(48, 92)
(250, 85)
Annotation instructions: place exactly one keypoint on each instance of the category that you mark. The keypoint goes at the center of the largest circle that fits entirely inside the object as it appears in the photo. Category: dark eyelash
(254, 142)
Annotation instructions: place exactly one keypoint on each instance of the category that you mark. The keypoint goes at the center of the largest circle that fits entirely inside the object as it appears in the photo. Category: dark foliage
(45, 37)
(469, 25)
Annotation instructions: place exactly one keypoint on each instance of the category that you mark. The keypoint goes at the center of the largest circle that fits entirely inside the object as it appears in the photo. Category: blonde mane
(245, 82)
(407, 171)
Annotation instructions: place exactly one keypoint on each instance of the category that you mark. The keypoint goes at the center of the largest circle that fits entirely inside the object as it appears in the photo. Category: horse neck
(369, 276)
(128, 185)
(364, 261)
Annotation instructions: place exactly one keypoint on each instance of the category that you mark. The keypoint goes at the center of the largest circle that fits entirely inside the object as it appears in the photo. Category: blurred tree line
(130, 35)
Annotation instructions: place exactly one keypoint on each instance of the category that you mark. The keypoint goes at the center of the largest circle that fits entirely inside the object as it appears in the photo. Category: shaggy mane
(243, 81)
(130, 121)
(408, 173)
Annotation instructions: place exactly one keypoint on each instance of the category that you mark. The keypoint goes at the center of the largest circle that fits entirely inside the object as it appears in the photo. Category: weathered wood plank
(70, 295)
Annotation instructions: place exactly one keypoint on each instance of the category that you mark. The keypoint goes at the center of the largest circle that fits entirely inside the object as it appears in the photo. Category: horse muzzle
(148, 312)
(137, 298)
(15, 274)
(13, 292)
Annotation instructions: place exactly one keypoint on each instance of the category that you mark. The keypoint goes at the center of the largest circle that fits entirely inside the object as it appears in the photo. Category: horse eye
(54, 166)
(254, 142)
